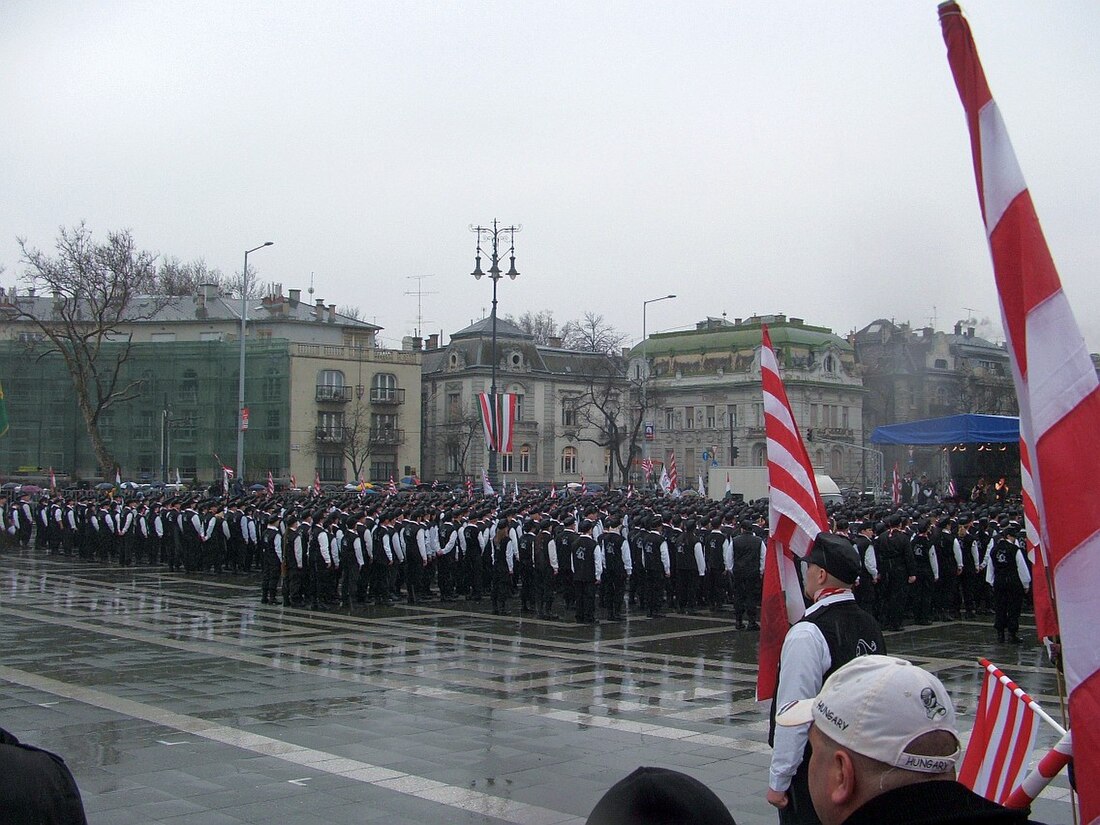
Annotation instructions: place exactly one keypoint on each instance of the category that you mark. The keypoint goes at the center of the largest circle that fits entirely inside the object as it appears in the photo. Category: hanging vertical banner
(498, 419)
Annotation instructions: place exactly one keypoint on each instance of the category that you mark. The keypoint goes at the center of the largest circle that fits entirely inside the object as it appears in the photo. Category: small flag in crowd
(584, 487)
(392, 487)
(317, 483)
(553, 490)
(952, 491)
(702, 487)
(293, 481)
(647, 467)
(895, 487)
(486, 487)
(673, 479)
(469, 487)
(270, 484)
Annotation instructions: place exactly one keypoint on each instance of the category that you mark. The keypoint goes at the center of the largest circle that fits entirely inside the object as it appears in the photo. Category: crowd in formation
(923, 562)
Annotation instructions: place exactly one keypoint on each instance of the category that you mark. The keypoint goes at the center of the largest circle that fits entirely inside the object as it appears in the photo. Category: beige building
(323, 398)
(558, 437)
(704, 395)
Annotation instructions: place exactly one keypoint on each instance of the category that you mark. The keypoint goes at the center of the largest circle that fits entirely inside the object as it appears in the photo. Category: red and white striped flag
(1058, 394)
(1046, 619)
(553, 490)
(796, 515)
(293, 482)
(498, 419)
(270, 484)
(952, 490)
(392, 487)
(1005, 727)
(895, 487)
(317, 483)
(647, 467)
(469, 487)
(584, 487)
(53, 480)
(673, 479)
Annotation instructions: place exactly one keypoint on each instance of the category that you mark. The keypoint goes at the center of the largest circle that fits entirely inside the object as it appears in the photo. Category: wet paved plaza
(183, 699)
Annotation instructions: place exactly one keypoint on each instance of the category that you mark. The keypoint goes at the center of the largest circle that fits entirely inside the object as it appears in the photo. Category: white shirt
(802, 666)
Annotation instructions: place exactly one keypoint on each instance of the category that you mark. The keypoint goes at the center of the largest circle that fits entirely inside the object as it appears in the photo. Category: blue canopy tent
(951, 429)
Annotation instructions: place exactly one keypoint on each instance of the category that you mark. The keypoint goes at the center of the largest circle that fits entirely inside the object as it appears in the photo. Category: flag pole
(1041, 775)
(1019, 693)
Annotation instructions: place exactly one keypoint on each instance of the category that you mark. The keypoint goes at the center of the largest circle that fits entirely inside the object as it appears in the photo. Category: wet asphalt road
(182, 699)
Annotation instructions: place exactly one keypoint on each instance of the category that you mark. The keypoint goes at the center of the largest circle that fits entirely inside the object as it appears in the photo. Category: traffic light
(733, 453)
(809, 435)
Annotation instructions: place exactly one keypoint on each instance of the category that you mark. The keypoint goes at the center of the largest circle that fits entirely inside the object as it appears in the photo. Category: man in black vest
(748, 564)
(617, 566)
(834, 631)
(587, 570)
(1009, 575)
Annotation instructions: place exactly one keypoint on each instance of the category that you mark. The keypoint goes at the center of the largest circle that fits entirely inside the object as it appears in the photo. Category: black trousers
(585, 592)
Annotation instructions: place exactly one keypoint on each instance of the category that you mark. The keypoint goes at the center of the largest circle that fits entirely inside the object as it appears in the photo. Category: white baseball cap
(876, 706)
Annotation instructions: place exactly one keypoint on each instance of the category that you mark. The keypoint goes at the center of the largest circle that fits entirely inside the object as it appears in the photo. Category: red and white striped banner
(1049, 767)
(1058, 393)
(673, 479)
(270, 483)
(796, 515)
(895, 487)
(317, 483)
(498, 419)
(1005, 727)
(647, 467)
(1046, 619)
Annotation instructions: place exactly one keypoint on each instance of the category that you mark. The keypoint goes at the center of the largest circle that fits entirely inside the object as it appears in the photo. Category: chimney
(433, 341)
(332, 313)
(958, 328)
(295, 296)
(737, 322)
(200, 299)
(554, 341)
(417, 343)
(319, 309)
(626, 353)
(407, 342)
(926, 333)
(797, 322)
(970, 332)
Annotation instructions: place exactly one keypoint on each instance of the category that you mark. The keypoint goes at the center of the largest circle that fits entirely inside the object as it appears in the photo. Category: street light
(494, 235)
(240, 378)
(645, 362)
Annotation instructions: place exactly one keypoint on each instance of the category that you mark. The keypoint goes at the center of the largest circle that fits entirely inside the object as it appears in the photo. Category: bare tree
(539, 324)
(592, 334)
(349, 311)
(175, 277)
(463, 424)
(607, 415)
(95, 290)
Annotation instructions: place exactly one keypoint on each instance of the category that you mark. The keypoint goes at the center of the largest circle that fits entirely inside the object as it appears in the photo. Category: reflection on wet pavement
(175, 698)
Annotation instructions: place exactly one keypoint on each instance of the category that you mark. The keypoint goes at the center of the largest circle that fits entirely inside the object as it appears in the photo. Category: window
(758, 414)
(731, 415)
(813, 415)
(941, 363)
(331, 387)
(330, 466)
(162, 337)
(844, 420)
(330, 378)
(330, 426)
(759, 456)
(383, 470)
(186, 467)
(454, 407)
(568, 413)
(525, 458)
(710, 418)
(689, 418)
(143, 428)
(637, 372)
(452, 459)
(272, 424)
(606, 461)
(210, 336)
(185, 425)
(836, 463)
(383, 387)
(670, 418)
(383, 421)
(830, 363)
(273, 385)
(506, 462)
(189, 387)
(569, 461)
(519, 407)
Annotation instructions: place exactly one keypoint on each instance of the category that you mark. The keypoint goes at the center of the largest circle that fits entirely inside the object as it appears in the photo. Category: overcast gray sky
(800, 157)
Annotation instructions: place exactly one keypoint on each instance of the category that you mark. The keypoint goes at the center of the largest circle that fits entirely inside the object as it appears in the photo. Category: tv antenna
(419, 293)
(970, 317)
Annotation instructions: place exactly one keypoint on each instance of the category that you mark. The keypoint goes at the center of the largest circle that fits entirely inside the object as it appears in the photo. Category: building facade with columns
(554, 438)
(704, 395)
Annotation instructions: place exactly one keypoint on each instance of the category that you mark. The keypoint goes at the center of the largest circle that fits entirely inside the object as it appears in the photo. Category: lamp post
(493, 235)
(645, 361)
(240, 378)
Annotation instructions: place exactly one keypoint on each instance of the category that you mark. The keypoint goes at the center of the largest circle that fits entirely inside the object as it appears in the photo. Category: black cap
(659, 796)
(835, 555)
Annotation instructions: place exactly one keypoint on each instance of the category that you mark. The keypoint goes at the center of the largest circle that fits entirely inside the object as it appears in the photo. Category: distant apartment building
(322, 397)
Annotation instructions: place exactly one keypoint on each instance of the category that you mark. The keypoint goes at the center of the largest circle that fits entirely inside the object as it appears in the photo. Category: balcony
(331, 435)
(387, 395)
(387, 436)
(334, 395)
(525, 426)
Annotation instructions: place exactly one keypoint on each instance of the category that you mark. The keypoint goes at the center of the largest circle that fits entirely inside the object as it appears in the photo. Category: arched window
(830, 363)
(759, 455)
(819, 458)
(524, 459)
(836, 463)
(569, 461)
(330, 386)
(383, 387)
